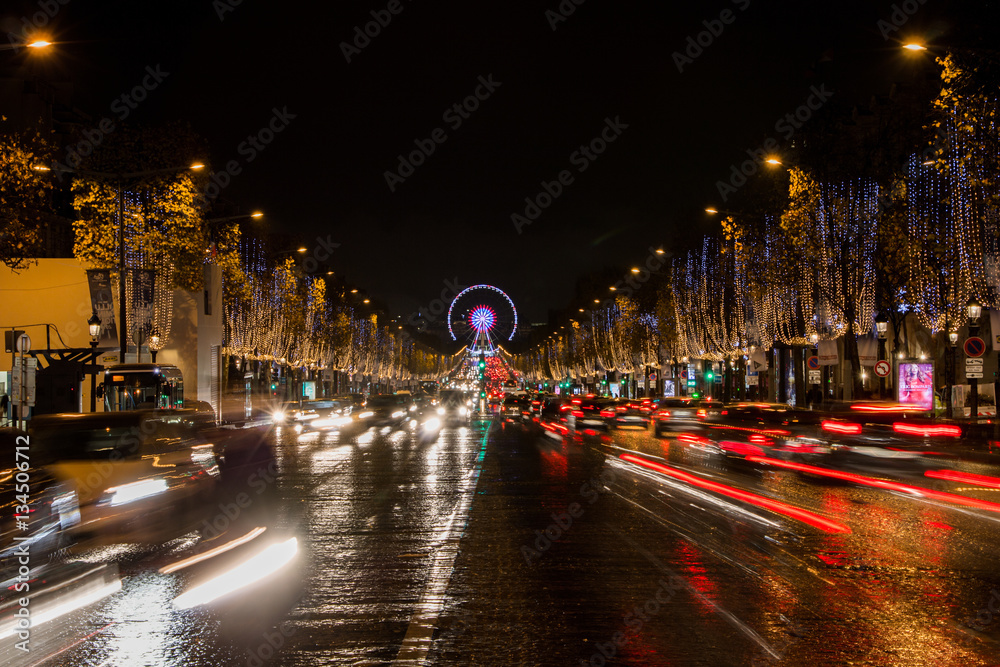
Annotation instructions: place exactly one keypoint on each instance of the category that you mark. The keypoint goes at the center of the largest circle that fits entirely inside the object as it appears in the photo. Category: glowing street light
(914, 46)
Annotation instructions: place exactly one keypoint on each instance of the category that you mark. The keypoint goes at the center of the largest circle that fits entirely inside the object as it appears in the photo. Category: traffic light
(709, 376)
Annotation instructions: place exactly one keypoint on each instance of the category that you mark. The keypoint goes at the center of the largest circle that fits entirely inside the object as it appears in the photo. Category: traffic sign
(973, 368)
(882, 368)
(815, 377)
(974, 346)
(813, 363)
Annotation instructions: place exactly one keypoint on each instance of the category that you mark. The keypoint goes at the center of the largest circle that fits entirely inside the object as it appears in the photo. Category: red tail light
(578, 413)
(621, 408)
(692, 439)
(759, 439)
(702, 413)
(607, 413)
(927, 431)
(846, 428)
(663, 414)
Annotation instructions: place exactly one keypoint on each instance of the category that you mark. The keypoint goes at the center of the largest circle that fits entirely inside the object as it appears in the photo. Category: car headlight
(398, 414)
(440, 411)
(366, 415)
(413, 408)
(278, 416)
(463, 411)
(127, 493)
(432, 424)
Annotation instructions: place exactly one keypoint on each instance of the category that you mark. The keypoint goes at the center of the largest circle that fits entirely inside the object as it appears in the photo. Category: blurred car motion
(632, 412)
(52, 507)
(138, 476)
(454, 407)
(386, 410)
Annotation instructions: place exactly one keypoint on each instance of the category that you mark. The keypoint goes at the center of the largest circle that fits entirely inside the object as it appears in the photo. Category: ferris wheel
(482, 316)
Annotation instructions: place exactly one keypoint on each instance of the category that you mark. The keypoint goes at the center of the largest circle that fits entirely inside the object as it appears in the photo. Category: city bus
(142, 386)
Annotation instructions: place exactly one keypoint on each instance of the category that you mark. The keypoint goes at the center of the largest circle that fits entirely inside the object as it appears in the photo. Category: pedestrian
(814, 397)
(4, 403)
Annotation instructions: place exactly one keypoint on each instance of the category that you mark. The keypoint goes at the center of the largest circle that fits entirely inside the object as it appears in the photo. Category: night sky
(229, 66)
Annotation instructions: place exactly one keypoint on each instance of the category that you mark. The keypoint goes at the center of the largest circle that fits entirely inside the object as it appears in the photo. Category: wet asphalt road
(506, 545)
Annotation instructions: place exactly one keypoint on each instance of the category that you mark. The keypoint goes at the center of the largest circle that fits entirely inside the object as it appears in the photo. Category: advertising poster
(916, 384)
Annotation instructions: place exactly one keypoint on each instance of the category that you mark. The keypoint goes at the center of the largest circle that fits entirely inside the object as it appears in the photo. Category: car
(139, 476)
(632, 412)
(886, 436)
(673, 415)
(325, 415)
(774, 430)
(386, 410)
(51, 505)
(454, 407)
(516, 408)
(592, 412)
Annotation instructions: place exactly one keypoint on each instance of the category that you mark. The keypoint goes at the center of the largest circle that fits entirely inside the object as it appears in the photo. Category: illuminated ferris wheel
(483, 316)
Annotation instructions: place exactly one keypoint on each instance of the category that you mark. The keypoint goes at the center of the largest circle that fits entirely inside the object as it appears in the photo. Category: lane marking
(419, 636)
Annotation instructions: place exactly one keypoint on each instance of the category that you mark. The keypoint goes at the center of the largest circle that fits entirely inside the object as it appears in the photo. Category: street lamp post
(154, 347)
(118, 179)
(882, 327)
(973, 309)
(953, 339)
(94, 325)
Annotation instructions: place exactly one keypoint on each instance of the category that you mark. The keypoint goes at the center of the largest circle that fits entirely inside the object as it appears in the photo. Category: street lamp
(973, 309)
(154, 346)
(94, 325)
(118, 178)
(881, 327)
(953, 339)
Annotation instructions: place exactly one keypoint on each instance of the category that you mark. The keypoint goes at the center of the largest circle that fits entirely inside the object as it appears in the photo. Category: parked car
(140, 476)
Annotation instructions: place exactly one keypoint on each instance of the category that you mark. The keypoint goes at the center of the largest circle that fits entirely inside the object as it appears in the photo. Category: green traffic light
(709, 375)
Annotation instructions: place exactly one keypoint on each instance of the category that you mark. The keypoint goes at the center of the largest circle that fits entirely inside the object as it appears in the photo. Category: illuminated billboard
(916, 384)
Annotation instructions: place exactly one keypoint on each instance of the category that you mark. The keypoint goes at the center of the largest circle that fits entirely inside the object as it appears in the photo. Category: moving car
(139, 476)
(516, 408)
(386, 410)
(454, 407)
(592, 412)
(632, 412)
